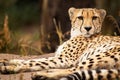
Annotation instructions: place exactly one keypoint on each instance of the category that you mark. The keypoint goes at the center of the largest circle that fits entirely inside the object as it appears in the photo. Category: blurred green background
(21, 12)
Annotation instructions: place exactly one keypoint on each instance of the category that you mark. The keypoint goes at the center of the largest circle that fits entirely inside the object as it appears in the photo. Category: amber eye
(94, 17)
(80, 17)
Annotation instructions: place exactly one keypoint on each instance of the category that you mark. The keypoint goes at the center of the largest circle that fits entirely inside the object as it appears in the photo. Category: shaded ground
(20, 76)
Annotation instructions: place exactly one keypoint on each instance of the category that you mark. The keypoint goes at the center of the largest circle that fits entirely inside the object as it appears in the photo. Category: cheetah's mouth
(88, 34)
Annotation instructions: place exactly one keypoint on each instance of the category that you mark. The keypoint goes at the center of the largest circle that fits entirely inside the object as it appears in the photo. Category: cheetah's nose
(88, 28)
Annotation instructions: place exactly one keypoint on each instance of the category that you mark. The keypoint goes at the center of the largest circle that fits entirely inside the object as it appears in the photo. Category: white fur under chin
(77, 32)
(74, 35)
(87, 35)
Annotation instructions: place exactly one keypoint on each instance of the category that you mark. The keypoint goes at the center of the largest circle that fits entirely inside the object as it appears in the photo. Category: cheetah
(87, 55)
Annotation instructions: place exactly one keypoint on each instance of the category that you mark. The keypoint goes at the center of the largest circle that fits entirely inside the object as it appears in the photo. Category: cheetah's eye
(94, 17)
(80, 17)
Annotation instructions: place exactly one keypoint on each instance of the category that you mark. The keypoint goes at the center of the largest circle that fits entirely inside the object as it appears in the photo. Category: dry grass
(18, 42)
(58, 31)
(5, 36)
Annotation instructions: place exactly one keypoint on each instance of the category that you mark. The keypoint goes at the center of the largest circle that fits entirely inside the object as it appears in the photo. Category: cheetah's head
(86, 21)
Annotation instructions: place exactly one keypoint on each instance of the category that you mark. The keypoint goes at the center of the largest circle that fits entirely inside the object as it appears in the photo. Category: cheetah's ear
(102, 13)
(71, 11)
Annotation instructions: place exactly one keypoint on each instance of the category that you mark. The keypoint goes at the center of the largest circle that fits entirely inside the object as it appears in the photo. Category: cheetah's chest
(97, 48)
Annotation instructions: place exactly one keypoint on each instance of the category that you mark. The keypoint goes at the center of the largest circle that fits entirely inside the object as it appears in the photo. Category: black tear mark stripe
(82, 21)
(94, 25)
(92, 20)
(87, 14)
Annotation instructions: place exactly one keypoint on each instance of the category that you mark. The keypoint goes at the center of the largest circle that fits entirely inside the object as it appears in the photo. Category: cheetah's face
(86, 21)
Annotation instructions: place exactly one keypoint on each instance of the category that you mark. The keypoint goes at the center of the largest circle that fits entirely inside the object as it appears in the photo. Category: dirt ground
(20, 76)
